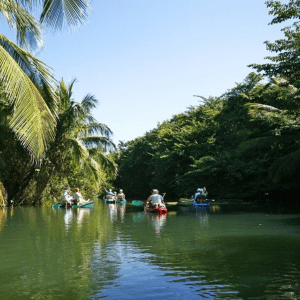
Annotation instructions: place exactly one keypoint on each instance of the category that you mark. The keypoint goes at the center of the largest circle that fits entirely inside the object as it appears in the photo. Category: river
(114, 252)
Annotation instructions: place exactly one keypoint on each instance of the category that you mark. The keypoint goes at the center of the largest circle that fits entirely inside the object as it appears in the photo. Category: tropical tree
(79, 154)
(21, 72)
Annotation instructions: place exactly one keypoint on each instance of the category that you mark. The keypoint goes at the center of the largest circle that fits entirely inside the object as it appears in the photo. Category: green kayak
(89, 204)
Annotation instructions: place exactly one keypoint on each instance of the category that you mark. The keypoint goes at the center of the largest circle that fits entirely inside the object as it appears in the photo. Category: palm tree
(81, 146)
(21, 72)
(80, 137)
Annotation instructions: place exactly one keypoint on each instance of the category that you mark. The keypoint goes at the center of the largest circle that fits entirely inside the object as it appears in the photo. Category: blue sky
(145, 59)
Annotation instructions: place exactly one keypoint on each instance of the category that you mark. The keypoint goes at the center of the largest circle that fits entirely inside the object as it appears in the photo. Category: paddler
(78, 197)
(155, 199)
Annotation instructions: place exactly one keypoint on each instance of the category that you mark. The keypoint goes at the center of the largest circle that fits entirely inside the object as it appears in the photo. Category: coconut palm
(21, 72)
(81, 147)
(80, 137)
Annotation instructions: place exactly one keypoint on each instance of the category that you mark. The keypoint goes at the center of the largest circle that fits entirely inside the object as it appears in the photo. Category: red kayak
(155, 209)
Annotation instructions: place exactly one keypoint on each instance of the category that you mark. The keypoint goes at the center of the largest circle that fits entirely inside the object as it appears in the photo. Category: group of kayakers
(76, 198)
(154, 200)
(114, 195)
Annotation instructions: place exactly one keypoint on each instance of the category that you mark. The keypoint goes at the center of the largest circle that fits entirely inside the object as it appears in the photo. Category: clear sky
(145, 59)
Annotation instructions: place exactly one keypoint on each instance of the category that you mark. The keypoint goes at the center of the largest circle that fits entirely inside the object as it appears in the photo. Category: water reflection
(82, 214)
(202, 216)
(3, 217)
(158, 221)
(68, 217)
(138, 216)
(113, 253)
(215, 208)
(116, 212)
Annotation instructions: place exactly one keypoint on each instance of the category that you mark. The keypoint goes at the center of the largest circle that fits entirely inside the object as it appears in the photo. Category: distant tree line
(243, 144)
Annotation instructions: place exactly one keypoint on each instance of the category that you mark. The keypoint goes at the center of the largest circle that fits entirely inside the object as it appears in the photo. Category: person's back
(78, 197)
(121, 195)
(66, 196)
(156, 199)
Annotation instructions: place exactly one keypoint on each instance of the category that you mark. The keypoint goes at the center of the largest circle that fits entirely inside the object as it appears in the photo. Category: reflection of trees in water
(3, 216)
(44, 256)
(219, 257)
(105, 265)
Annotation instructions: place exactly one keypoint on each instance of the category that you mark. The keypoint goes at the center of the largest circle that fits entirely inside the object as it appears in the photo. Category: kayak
(184, 202)
(59, 205)
(123, 201)
(89, 204)
(110, 200)
(202, 205)
(156, 209)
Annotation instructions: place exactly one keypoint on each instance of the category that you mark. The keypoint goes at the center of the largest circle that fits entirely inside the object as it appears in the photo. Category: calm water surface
(113, 252)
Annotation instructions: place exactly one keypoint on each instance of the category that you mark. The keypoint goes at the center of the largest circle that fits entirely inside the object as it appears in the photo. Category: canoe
(202, 205)
(184, 202)
(59, 205)
(89, 204)
(159, 210)
(121, 201)
(110, 200)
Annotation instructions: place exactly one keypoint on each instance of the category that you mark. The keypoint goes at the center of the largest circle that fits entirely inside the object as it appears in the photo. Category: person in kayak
(155, 199)
(109, 194)
(199, 192)
(78, 197)
(67, 198)
(121, 195)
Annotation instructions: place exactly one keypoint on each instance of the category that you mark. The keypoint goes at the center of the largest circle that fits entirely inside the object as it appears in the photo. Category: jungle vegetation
(48, 140)
(243, 144)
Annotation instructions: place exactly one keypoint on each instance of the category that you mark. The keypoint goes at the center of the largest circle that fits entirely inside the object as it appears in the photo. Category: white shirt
(156, 199)
(67, 196)
(78, 197)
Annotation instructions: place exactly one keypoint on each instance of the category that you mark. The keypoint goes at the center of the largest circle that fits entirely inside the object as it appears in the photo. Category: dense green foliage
(78, 156)
(48, 140)
(243, 144)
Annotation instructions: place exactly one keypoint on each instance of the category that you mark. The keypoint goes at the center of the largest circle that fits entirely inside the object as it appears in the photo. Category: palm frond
(102, 142)
(264, 107)
(258, 143)
(97, 128)
(106, 162)
(38, 72)
(56, 12)
(28, 29)
(89, 102)
(87, 165)
(32, 120)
